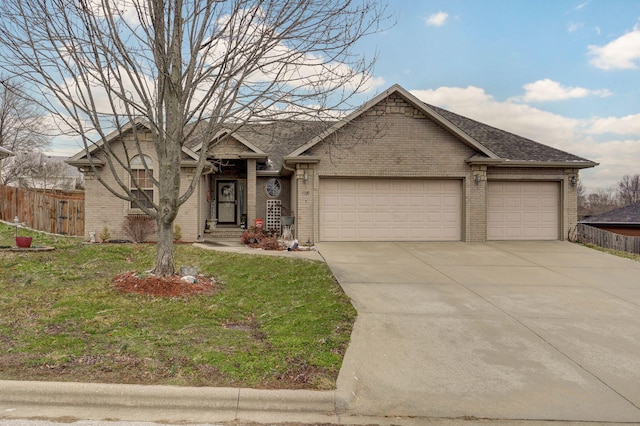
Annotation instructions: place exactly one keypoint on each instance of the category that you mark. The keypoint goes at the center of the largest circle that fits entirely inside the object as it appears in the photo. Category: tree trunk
(169, 145)
(164, 255)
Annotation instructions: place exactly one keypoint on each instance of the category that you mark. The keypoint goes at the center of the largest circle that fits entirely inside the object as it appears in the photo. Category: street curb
(165, 402)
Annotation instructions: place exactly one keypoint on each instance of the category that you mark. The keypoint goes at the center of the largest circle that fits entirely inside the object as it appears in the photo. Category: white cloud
(621, 53)
(574, 27)
(586, 138)
(131, 11)
(436, 19)
(549, 90)
(521, 119)
(627, 125)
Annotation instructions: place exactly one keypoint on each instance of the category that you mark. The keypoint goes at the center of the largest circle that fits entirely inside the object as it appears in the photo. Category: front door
(226, 201)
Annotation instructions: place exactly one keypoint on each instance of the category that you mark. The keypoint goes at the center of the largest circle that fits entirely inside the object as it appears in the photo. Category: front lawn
(274, 322)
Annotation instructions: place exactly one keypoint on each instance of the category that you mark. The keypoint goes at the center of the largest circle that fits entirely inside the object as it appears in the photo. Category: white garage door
(523, 210)
(390, 210)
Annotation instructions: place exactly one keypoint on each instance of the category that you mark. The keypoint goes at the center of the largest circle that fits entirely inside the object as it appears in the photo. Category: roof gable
(492, 145)
(421, 106)
(81, 158)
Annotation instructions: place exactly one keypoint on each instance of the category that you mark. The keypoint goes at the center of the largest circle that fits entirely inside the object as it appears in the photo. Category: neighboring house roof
(627, 216)
(493, 146)
(5, 152)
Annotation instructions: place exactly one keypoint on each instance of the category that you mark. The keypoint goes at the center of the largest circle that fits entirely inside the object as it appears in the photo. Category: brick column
(476, 196)
(306, 222)
(251, 191)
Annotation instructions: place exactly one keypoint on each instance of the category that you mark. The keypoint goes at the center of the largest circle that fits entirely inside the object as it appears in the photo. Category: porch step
(224, 234)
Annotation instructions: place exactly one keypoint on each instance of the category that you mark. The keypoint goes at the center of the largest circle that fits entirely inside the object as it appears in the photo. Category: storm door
(226, 201)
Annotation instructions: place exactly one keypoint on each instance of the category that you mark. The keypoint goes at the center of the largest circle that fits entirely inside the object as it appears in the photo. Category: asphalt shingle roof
(504, 144)
(629, 215)
(280, 138)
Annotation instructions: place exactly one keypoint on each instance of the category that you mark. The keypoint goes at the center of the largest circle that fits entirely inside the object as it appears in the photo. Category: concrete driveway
(501, 330)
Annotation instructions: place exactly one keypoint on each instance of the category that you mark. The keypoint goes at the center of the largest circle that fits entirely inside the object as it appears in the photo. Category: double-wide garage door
(523, 210)
(390, 210)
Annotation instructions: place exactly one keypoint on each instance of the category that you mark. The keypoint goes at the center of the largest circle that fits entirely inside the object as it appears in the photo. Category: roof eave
(501, 162)
(83, 162)
(486, 161)
(253, 155)
(5, 152)
(302, 159)
(619, 224)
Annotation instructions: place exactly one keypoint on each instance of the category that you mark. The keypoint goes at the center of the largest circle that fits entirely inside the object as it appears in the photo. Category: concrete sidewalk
(503, 331)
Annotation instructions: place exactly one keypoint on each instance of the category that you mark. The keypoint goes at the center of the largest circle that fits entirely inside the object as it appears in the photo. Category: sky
(562, 72)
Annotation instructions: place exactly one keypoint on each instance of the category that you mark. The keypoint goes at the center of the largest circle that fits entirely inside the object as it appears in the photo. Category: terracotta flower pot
(23, 242)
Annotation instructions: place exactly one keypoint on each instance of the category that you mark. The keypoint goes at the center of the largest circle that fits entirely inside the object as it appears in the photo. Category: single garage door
(523, 210)
(390, 210)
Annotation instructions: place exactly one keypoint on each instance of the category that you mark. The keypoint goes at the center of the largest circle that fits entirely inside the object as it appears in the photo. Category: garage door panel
(390, 210)
(523, 210)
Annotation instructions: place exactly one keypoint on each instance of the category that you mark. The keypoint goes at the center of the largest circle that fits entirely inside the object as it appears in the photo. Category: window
(144, 179)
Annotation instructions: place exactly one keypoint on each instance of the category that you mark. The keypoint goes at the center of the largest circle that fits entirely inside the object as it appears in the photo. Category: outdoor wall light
(305, 176)
(476, 178)
(573, 180)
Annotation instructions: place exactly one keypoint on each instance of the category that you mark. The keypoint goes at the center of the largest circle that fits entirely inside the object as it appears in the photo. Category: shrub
(252, 236)
(258, 238)
(139, 227)
(270, 243)
(104, 234)
(177, 233)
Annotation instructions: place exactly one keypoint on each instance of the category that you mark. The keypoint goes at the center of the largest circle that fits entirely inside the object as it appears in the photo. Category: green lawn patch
(274, 322)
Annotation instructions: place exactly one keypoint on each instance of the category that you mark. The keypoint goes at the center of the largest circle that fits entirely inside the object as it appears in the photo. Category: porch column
(251, 191)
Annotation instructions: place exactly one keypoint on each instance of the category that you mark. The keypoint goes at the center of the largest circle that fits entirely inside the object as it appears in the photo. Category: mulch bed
(172, 286)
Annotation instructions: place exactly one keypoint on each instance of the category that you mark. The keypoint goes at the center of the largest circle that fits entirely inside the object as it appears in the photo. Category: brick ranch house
(396, 169)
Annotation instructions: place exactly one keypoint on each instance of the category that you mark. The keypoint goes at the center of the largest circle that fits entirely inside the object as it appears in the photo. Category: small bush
(104, 234)
(177, 233)
(139, 227)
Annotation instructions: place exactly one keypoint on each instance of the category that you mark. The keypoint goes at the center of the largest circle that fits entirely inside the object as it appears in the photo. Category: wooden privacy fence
(59, 212)
(607, 239)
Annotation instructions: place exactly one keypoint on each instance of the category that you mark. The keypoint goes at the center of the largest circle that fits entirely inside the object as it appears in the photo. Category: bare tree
(100, 64)
(40, 171)
(583, 206)
(629, 189)
(600, 201)
(23, 128)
